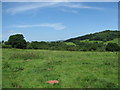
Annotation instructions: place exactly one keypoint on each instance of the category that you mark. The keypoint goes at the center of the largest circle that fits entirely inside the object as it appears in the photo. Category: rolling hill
(106, 35)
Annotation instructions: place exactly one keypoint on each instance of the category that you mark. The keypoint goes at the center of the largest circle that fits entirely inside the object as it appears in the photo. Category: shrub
(112, 47)
(6, 46)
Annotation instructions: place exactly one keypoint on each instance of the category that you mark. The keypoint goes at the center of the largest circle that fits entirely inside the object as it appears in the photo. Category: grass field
(33, 68)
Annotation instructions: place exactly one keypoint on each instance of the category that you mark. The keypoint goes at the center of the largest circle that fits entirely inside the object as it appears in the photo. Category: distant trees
(90, 42)
(112, 47)
(17, 41)
(89, 46)
(37, 45)
(100, 36)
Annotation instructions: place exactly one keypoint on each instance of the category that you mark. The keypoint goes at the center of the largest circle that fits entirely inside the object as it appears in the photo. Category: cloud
(72, 5)
(33, 6)
(69, 11)
(56, 26)
(27, 7)
(60, 0)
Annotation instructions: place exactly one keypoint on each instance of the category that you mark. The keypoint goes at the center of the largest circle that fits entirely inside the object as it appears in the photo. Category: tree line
(104, 36)
(18, 41)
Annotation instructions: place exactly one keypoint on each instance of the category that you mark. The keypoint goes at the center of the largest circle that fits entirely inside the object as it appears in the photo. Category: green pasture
(22, 68)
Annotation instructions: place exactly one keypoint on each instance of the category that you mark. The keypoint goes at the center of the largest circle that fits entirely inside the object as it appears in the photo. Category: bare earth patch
(52, 82)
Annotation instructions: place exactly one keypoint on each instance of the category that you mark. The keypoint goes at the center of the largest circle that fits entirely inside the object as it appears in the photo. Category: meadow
(24, 68)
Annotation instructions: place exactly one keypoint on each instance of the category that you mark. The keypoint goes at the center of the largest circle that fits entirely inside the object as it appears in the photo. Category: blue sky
(53, 21)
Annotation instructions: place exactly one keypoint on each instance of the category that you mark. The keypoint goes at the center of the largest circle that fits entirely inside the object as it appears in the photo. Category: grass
(33, 68)
(70, 43)
(90, 41)
(116, 40)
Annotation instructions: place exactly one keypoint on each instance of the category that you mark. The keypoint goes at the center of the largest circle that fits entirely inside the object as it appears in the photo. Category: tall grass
(13, 54)
(25, 55)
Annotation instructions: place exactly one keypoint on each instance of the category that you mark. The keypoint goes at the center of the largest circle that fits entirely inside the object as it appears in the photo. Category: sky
(52, 21)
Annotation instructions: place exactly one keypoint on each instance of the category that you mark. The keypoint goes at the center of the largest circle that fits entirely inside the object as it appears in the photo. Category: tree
(112, 47)
(2, 41)
(17, 41)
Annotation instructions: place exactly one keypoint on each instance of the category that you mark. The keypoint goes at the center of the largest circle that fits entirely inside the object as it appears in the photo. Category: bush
(72, 48)
(112, 47)
(6, 46)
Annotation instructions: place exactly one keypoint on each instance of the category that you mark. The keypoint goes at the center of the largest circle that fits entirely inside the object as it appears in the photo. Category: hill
(100, 41)
(106, 35)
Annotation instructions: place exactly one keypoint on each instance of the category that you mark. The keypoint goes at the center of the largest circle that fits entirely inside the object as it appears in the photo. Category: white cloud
(27, 7)
(72, 5)
(33, 6)
(69, 11)
(57, 26)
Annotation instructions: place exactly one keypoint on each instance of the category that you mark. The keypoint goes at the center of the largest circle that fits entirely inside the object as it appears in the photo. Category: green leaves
(112, 47)
(17, 41)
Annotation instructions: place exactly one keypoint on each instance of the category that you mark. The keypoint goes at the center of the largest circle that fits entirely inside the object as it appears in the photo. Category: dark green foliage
(46, 45)
(90, 42)
(2, 41)
(0, 44)
(37, 45)
(112, 47)
(17, 41)
(6, 42)
(87, 46)
(72, 48)
(6, 46)
(101, 36)
(79, 46)
(57, 45)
